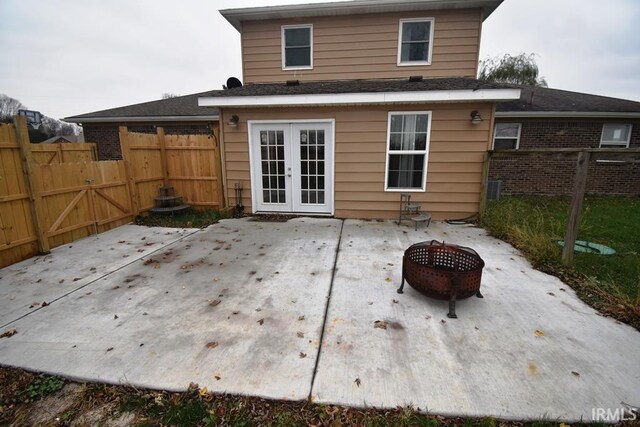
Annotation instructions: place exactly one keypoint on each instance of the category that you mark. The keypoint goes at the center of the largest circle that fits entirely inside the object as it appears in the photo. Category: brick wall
(553, 174)
(106, 137)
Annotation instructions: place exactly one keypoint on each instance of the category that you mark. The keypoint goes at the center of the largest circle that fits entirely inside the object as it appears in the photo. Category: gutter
(571, 114)
(77, 119)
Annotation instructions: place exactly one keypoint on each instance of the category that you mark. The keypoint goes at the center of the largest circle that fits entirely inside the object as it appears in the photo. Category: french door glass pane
(312, 188)
(272, 158)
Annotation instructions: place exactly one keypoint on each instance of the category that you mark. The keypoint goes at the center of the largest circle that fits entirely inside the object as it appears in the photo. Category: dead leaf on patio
(215, 279)
(44, 304)
(301, 318)
(370, 303)
(261, 322)
(115, 316)
(357, 381)
(212, 344)
(122, 241)
(390, 263)
(303, 355)
(149, 261)
(214, 302)
(110, 348)
(380, 324)
(75, 279)
(235, 312)
(575, 373)
(443, 321)
(217, 377)
(395, 301)
(157, 265)
(61, 280)
(539, 333)
(300, 334)
(551, 293)
(427, 317)
(388, 279)
(9, 333)
(251, 273)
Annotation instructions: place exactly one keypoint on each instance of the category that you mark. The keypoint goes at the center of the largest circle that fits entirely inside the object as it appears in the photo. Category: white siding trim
(487, 95)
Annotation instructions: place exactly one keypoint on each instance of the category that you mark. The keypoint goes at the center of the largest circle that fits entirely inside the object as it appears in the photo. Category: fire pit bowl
(442, 271)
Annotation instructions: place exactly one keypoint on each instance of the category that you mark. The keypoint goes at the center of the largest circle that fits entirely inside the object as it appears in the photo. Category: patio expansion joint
(100, 278)
(326, 310)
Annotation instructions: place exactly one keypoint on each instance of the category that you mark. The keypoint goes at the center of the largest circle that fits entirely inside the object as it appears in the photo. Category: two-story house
(346, 105)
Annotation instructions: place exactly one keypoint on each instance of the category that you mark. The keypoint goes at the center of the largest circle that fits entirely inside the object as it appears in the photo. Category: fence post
(126, 157)
(579, 187)
(163, 156)
(35, 201)
(218, 166)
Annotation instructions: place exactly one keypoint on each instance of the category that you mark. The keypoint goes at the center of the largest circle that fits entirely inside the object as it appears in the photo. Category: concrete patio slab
(529, 349)
(25, 286)
(237, 307)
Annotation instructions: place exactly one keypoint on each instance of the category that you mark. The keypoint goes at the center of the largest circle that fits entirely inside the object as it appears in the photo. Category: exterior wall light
(233, 121)
(476, 118)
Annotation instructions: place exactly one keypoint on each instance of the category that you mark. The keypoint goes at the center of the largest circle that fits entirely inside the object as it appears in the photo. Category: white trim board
(487, 95)
(572, 114)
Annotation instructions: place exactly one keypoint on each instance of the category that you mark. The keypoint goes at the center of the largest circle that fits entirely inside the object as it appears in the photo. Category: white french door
(292, 166)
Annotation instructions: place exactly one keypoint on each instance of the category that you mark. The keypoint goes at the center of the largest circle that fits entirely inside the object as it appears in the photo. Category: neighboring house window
(297, 47)
(615, 135)
(415, 41)
(506, 136)
(407, 151)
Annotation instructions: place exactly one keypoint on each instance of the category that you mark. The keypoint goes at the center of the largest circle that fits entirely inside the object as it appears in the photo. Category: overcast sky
(67, 57)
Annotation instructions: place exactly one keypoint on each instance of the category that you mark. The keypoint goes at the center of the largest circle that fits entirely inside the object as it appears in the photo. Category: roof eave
(570, 114)
(362, 98)
(354, 7)
(195, 118)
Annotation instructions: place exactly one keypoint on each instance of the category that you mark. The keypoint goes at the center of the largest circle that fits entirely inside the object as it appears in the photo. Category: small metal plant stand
(412, 211)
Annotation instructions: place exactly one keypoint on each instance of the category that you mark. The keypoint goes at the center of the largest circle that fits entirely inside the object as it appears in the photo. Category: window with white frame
(506, 136)
(415, 41)
(297, 47)
(407, 151)
(615, 135)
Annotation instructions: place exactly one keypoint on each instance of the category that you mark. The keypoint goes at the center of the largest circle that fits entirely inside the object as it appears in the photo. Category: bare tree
(168, 95)
(9, 107)
(519, 69)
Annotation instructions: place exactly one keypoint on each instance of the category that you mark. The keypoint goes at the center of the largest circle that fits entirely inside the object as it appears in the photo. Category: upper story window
(407, 151)
(415, 41)
(297, 47)
(615, 135)
(506, 136)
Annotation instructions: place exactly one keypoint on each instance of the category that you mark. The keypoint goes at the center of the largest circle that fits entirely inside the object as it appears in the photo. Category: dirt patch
(272, 218)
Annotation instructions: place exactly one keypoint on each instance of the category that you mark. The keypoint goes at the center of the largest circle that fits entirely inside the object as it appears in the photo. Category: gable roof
(354, 7)
(67, 138)
(547, 102)
(373, 91)
(179, 108)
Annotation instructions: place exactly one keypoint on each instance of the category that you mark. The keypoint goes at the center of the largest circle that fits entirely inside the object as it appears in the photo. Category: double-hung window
(297, 47)
(415, 41)
(506, 136)
(615, 135)
(408, 151)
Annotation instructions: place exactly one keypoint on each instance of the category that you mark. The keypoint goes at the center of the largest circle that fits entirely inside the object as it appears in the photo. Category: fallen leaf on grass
(380, 324)
(214, 302)
(9, 333)
(261, 322)
(303, 355)
(300, 334)
(538, 333)
(203, 391)
(357, 381)
(212, 344)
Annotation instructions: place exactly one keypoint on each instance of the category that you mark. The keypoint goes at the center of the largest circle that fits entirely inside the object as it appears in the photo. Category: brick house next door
(292, 166)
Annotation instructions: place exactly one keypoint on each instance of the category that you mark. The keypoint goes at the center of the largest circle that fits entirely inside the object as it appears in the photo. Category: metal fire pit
(442, 271)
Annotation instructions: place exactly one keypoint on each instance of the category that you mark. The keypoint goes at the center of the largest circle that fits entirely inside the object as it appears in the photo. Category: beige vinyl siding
(454, 171)
(363, 47)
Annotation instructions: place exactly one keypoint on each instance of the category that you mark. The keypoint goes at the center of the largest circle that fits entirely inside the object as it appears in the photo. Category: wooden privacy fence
(190, 163)
(44, 205)
(64, 152)
(47, 201)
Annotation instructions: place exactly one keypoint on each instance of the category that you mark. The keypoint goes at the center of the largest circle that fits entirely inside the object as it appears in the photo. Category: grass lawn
(192, 218)
(535, 223)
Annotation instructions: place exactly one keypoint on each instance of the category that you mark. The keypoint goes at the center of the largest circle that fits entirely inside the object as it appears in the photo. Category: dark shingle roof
(540, 99)
(357, 86)
(186, 106)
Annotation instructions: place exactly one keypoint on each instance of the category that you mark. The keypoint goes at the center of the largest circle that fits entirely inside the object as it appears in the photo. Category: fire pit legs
(400, 289)
(479, 295)
(452, 307)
